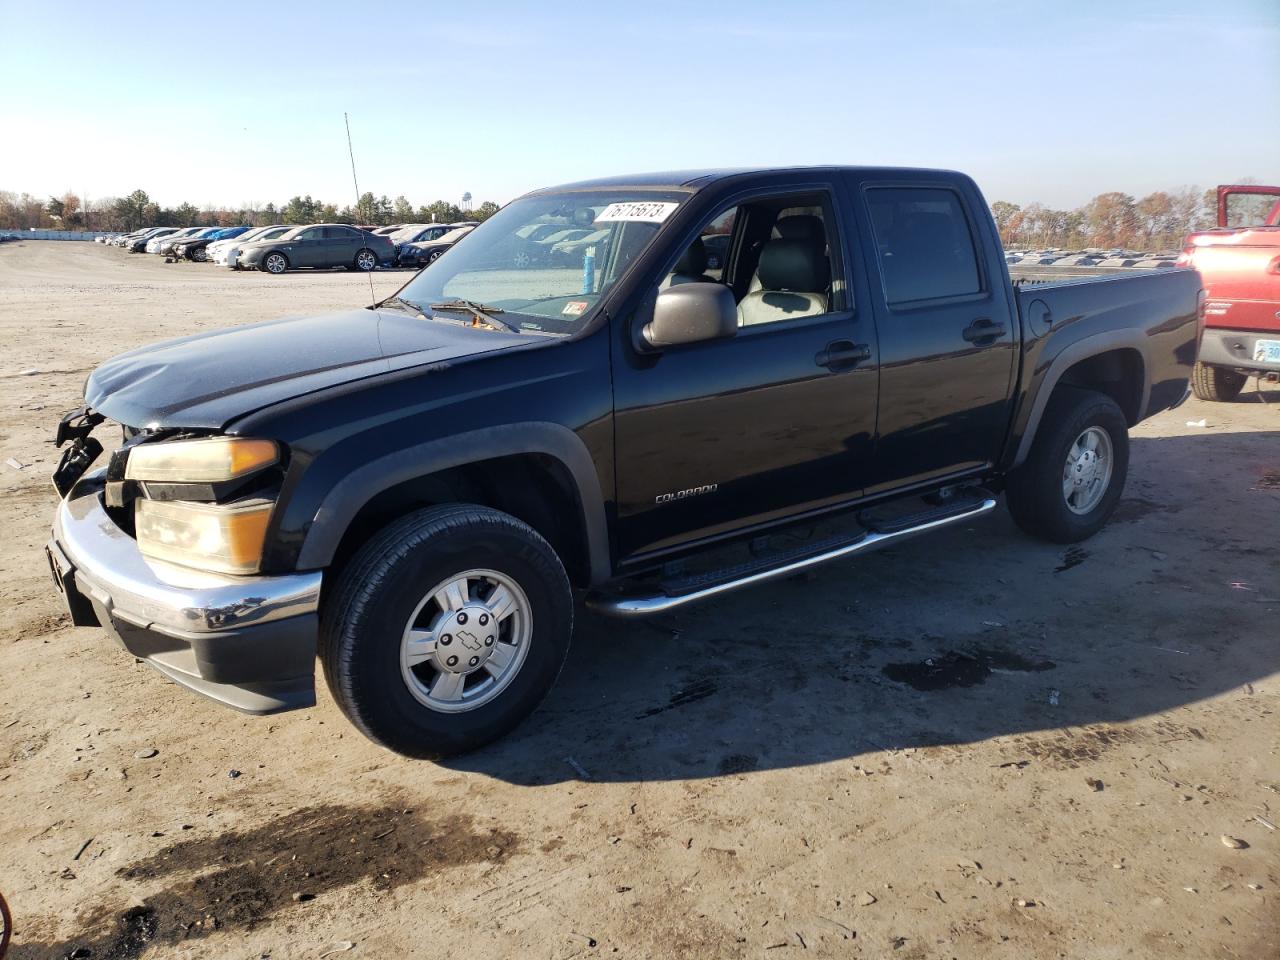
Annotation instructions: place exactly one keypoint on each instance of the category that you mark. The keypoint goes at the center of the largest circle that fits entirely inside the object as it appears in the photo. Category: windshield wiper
(478, 310)
(400, 302)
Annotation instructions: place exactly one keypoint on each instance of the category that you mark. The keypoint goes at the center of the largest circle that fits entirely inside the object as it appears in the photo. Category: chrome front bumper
(248, 642)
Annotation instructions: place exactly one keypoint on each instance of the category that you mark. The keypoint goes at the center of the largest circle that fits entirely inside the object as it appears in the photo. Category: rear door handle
(983, 329)
(842, 354)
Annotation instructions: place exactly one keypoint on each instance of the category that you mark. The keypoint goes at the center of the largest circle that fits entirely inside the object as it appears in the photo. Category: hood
(207, 380)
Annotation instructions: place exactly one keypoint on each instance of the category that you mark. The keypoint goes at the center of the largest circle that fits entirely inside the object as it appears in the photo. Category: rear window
(924, 243)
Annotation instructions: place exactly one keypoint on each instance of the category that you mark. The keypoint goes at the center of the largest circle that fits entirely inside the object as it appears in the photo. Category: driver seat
(794, 275)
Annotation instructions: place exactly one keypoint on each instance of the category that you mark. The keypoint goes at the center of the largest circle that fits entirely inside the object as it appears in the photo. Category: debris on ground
(146, 753)
(1094, 784)
(15, 464)
(1235, 843)
(1197, 423)
(866, 899)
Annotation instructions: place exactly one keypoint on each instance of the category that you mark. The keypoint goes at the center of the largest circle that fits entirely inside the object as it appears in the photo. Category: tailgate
(1242, 285)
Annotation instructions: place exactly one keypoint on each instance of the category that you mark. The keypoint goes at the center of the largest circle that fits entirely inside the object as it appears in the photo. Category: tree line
(1157, 221)
(70, 212)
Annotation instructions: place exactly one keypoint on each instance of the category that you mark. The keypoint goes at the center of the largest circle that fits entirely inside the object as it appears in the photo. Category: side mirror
(690, 313)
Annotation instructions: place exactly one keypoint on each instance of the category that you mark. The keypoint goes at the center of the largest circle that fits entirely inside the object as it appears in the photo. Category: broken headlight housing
(211, 460)
(202, 502)
(226, 538)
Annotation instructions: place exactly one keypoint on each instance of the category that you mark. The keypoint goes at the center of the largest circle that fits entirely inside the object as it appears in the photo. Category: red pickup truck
(1240, 266)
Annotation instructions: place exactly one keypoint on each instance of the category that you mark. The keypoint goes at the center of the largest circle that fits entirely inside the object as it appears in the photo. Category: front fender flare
(341, 505)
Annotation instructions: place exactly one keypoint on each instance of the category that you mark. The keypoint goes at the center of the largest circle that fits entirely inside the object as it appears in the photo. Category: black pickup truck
(415, 491)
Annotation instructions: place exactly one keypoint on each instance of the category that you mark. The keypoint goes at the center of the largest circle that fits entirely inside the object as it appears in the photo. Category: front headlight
(226, 538)
(212, 460)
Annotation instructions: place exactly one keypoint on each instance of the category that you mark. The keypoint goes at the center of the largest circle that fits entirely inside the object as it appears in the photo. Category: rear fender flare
(1082, 350)
(341, 505)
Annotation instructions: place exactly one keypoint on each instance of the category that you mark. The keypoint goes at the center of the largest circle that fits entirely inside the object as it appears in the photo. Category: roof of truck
(693, 180)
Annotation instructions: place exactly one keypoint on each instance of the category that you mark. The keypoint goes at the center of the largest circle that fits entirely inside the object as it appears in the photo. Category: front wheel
(276, 263)
(366, 260)
(432, 257)
(446, 630)
(1216, 383)
(199, 254)
(1075, 473)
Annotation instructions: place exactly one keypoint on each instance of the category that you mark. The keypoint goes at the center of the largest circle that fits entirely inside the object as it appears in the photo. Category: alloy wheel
(466, 641)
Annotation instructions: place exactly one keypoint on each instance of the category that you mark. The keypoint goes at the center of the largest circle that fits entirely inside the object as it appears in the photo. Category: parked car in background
(422, 232)
(526, 252)
(153, 245)
(1239, 263)
(571, 252)
(226, 253)
(124, 238)
(429, 251)
(140, 243)
(166, 245)
(196, 248)
(319, 245)
(411, 493)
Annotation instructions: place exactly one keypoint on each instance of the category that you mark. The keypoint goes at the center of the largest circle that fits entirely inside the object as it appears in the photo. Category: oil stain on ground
(239, 878)
(953, 669)
(698, 690)
(1072, 557)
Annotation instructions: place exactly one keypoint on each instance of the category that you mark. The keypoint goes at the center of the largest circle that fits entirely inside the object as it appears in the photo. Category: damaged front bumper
(247, 642)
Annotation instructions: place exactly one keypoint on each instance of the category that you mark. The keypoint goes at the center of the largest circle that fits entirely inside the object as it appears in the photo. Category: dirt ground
(777, 773)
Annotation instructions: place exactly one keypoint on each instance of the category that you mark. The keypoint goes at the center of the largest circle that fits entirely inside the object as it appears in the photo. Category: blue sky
(227, 103)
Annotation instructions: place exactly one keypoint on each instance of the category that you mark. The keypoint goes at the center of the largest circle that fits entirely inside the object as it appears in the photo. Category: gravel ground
(972, 745)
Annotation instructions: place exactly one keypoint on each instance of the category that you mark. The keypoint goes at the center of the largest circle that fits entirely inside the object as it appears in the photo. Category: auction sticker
(637, 211)
(575, 308)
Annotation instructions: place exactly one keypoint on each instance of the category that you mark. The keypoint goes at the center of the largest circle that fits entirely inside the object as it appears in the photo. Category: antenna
(373, 297)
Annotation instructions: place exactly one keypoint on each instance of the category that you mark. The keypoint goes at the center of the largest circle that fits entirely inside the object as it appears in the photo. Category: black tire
(1216, 383)
(376, 596)
(200, 254)
(432, 257)
(275, 263)
(1035, 490)
(365, 260)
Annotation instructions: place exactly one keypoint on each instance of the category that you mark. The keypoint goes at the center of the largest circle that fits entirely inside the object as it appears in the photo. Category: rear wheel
(276, 263)
(366, 260)
(1075, 473)
(446, 630)
(1216, 383)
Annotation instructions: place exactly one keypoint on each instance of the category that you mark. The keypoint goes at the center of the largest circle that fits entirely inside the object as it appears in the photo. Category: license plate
(1266, 351)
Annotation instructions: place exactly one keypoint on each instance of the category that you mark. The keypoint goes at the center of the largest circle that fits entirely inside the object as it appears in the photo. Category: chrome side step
(645, 604)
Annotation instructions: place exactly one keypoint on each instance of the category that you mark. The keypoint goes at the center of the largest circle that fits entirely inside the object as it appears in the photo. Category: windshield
(533, 261)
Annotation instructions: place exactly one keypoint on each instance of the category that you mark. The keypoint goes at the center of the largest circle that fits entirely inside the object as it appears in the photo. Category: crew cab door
(947, 327)
(715, 437)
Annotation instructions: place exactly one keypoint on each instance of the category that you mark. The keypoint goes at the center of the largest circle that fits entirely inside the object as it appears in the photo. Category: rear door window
(924, 243)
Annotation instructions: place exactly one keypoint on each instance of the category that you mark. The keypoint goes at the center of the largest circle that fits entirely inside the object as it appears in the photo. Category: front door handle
(983, 331)
(842, 354)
